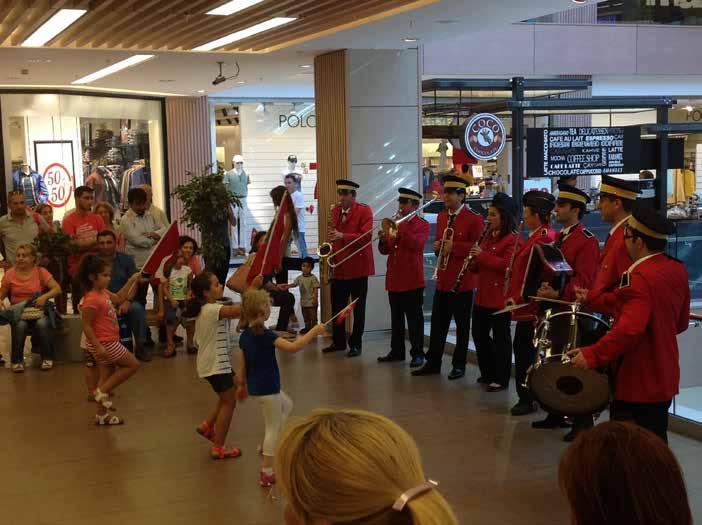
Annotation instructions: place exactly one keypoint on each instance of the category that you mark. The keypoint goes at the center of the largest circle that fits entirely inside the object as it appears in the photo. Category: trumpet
(326, 252)
(444, 253)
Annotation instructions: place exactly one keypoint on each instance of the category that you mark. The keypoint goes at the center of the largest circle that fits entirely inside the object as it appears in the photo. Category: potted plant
(207, 203)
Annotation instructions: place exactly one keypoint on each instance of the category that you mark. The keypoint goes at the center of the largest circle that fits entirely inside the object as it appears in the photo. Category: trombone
(326, 252)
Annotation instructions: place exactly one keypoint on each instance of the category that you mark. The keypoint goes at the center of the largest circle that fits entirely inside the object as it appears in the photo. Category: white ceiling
(267, 76)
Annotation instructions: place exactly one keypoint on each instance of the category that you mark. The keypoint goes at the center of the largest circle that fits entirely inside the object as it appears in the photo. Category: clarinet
(508, 271)
(468, 260)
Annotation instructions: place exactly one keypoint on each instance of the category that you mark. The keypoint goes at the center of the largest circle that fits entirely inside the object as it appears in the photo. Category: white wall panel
(383, 134)
(381, 78)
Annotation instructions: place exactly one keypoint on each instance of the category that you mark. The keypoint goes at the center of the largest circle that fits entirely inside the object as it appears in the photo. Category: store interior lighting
(53, 26)
(233, 7)
(114, 68)
(245, 33)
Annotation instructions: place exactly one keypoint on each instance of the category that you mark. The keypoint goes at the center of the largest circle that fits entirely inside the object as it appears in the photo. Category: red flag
(163, 251)
(270, 255)
(345, 313)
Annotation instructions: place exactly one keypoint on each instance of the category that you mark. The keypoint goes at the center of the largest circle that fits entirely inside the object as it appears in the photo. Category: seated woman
(620, 474)
(23, 282)
(352, 466)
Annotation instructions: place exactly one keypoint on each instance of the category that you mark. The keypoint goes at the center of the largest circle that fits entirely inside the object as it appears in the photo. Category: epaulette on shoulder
(362, 204)
(674, 258)
(625, 281)
(544, 232)
(472, 210)
(587, 233)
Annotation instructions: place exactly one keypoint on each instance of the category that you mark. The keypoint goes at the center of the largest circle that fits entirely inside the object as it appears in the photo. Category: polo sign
(484, 136)
(60, 183)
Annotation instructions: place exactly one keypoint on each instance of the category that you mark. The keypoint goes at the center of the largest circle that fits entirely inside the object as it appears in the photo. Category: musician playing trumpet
(489, 260)
(352, 223)
(457, 229)
(404, 280)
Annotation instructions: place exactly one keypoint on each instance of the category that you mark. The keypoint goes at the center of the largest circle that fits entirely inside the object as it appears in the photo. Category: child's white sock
(267, 471)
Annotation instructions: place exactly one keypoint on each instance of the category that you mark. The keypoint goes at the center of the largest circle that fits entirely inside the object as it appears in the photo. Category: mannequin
(294, 169)
(444, 164)
(31, 184)
(237, 181)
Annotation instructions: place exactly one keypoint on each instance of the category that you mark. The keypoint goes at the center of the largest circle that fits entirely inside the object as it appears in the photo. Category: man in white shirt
(152, 209)
(298, 200)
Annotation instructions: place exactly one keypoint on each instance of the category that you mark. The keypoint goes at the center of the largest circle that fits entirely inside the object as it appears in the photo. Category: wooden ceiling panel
(158, 25)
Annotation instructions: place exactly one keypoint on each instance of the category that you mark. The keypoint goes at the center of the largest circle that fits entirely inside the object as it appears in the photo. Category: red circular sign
(484, 136)
(60, 183)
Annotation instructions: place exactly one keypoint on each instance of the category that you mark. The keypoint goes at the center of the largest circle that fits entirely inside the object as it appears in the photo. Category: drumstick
(510, 308)
(558, 301)
(350, 305)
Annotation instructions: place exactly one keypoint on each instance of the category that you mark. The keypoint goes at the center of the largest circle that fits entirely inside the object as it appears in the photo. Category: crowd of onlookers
(41, 258)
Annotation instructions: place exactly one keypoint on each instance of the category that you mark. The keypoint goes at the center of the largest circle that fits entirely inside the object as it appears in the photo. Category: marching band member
(457, 229)
(404, 280)
(642, 341)
(617, 198)
(538, 206)
(491, 257)
(581, 250)
(350, 220)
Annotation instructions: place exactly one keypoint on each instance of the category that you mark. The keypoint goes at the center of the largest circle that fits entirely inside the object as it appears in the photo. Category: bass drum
(558, 386)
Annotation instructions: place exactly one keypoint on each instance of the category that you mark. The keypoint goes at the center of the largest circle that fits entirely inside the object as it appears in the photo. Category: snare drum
(558, 386)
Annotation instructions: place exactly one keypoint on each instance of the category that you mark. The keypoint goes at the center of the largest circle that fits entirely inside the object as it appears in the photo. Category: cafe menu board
(568, 152)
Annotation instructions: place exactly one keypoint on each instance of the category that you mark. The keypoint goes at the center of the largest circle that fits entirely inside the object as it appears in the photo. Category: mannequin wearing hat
(404, 280)
(352, 222)
(457, 229)
(237, 181)
(491, 257)
(652, 306)
(581, 250)
(617, 199)
(538, 206)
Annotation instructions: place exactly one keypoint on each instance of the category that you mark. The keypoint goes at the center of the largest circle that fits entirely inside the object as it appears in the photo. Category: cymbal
(510, 308)
(547, 300)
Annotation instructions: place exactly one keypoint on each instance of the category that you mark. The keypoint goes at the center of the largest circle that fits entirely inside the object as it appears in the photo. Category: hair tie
(412, 493)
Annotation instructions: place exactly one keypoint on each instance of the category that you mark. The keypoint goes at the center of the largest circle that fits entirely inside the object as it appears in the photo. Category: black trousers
(494, 353)
(286, 302)
(341, 290)
(651, 416)
(447, 306)
(524, 356)
(407, 305)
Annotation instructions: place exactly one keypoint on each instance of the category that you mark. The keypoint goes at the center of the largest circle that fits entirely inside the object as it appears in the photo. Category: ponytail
(199, 286)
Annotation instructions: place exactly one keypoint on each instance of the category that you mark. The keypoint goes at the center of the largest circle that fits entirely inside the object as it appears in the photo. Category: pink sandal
(218, 452)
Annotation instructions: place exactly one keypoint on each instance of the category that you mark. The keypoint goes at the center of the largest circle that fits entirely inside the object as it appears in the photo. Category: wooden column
(189, 145)
(330, 82)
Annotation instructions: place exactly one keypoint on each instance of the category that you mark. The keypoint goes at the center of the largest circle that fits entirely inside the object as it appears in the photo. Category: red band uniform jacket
(359, 220)
(652, 307)
(582, 251)
(405, 270)
(467, 226)
(614, 261)
(491, 266)
(543, 235)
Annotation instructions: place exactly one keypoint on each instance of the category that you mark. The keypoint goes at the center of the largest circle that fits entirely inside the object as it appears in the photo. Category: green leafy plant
(207, 202)
(53, 244)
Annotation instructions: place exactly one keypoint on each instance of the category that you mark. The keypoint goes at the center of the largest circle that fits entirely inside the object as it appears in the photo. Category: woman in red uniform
(538, 206)
(490, 260)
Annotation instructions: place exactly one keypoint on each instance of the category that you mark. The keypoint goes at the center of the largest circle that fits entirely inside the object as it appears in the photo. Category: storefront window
(58, 142)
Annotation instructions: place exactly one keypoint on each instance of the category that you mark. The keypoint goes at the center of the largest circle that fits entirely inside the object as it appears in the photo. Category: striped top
(214, 340)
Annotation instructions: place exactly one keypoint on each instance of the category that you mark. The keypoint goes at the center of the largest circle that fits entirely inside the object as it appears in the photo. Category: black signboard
(567, 152)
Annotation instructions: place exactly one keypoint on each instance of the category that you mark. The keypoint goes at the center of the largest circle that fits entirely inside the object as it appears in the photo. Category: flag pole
(270, 232)
(343, 310)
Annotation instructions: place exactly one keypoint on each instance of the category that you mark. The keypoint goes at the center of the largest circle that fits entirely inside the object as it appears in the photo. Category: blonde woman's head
(256, 309)
(350, 466)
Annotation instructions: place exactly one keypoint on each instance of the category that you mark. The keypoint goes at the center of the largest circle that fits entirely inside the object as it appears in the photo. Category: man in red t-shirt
(83, 227)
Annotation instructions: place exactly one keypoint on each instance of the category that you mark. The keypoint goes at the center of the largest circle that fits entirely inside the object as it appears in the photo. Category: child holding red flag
(259, 375)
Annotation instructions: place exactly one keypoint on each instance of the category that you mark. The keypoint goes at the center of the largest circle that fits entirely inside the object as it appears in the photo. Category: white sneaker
(18, 368)
(47, 364)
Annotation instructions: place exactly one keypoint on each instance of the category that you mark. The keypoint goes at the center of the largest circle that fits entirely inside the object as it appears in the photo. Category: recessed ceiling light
(200, 90)
(119, 66)
(580, 1)
(410, 39)
(241, 81)
(305, 66)
(53, 26)
(245, 33)
(233, 7)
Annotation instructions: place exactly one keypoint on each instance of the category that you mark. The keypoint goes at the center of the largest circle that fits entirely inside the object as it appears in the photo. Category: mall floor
(59, 469)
